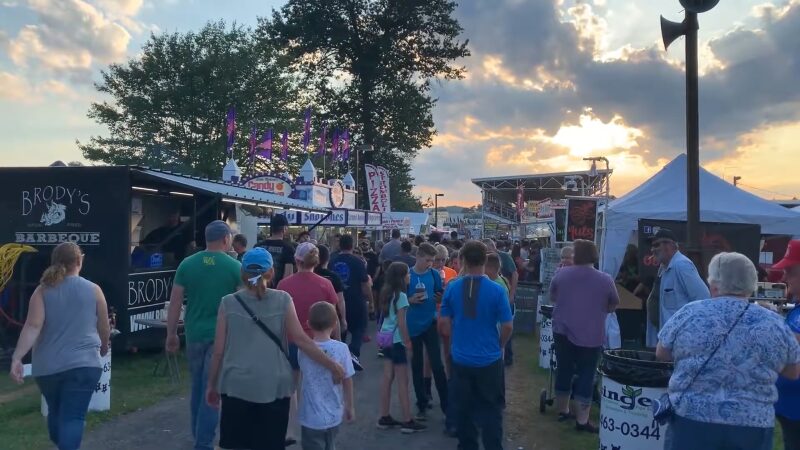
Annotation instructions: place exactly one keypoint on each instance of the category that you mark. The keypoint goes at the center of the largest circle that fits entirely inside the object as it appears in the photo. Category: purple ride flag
(323, 141)
(251, 153)
(336, 141)
(307, 130)
(265, 146)
(285, 145)
(231, 129)
(345, 146)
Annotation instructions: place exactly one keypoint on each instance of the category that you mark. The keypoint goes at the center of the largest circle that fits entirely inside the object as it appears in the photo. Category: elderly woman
(728, 354)
(583, 297)
(567, 254)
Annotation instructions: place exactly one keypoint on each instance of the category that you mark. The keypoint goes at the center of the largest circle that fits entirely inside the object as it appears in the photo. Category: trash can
(101, 399)
(632, 382)
(545, 335)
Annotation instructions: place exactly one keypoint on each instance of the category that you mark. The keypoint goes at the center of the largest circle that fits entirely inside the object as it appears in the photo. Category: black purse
(663, 409)
(263, 327)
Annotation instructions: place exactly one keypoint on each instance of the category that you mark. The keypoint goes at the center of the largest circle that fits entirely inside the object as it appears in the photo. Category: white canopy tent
(664, 197)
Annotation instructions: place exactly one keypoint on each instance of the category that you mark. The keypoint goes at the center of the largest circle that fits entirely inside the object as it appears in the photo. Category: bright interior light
(144, 189)
(185, 194)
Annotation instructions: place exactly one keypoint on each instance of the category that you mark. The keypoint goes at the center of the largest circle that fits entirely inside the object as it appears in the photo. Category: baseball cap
(791, 258)
(217, 230)
(278, 220)
(663, 233)
(302, 250)
(257, 261)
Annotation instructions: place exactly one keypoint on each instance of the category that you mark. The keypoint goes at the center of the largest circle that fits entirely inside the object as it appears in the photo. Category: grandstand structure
(500, 196)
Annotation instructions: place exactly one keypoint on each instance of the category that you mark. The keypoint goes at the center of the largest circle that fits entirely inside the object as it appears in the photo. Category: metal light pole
(436, 209)
(359, 149)
(608, 198)
(671, 31)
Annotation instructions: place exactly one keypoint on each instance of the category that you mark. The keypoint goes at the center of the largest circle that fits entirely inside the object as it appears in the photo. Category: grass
(543, 431)
(133, 387)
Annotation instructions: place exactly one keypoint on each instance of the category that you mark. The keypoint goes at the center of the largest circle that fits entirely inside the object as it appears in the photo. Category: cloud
(17, 89)
(70, 36)
(538, 66)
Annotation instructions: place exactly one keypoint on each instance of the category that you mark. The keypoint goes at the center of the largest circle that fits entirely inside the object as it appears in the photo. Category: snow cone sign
(626, 417)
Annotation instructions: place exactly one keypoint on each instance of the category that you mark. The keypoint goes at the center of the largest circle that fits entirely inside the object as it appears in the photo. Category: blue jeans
(68, 395)
(575, 361)
(687, 434)
(481, 398)
(204, 417)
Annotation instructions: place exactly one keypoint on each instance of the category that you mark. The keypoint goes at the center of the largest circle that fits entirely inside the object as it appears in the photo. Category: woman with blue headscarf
(250, 375)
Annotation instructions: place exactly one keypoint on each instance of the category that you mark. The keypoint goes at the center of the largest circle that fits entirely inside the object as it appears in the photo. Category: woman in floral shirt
(728, 403)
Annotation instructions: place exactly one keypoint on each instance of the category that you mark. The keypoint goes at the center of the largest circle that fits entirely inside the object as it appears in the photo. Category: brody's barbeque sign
(55, 214)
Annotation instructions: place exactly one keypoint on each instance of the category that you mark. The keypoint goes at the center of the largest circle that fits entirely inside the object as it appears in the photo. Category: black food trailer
(134, 224)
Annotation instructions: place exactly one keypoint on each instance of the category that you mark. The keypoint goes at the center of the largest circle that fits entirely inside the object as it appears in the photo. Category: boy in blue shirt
(424, 291)
(472, 307)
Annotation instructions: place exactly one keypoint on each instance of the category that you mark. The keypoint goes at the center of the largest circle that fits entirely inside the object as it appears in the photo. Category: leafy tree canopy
(369, 64)
(167, 106)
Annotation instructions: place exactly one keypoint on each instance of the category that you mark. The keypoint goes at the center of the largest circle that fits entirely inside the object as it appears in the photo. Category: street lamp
(359, 149)
(436, 209)
(669, 32)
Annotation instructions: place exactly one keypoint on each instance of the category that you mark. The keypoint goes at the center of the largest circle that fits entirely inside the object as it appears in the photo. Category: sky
(548, 83)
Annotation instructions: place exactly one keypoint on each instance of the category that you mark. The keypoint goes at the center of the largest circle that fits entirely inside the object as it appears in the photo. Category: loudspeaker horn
(671, 31)
(698, 6)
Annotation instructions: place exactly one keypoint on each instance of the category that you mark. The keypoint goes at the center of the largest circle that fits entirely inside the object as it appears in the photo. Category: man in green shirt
(203, 279)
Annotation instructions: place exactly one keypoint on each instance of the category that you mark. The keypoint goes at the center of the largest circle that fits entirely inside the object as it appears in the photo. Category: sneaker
(384, 423)
(422, 415)
(412, 427)
(380, 353)
(356, 363)
(587, 427)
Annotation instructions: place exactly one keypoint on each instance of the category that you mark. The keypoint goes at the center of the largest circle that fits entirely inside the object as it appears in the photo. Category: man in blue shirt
(678, 282)
(472, 307)
(357, 292)
(424, 291)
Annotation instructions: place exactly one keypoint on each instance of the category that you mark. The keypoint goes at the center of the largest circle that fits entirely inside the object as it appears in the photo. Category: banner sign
(337, 217)
(356, 218)
(378, 188)
(374, 219)
(581, 219)
(274, 184)
(715, 237)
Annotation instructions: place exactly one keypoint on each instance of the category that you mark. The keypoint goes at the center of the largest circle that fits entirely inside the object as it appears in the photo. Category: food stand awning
(228, 191)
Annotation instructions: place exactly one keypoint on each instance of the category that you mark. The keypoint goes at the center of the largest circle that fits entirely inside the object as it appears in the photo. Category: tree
(369, 65)
(168, 106)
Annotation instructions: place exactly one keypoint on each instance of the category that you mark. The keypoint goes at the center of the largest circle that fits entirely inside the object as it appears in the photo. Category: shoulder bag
(663, 409)
(261, 325)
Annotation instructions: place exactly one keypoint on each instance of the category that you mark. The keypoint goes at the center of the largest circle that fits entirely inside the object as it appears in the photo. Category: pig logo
(56, 213)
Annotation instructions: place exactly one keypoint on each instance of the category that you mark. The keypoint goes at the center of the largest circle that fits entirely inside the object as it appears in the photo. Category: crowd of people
(274, 336)
(308, 306)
